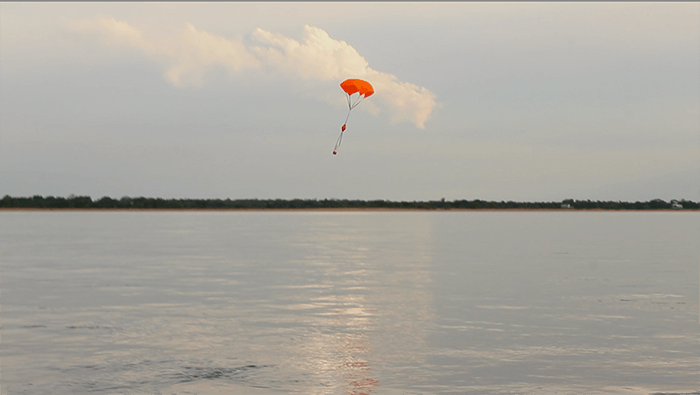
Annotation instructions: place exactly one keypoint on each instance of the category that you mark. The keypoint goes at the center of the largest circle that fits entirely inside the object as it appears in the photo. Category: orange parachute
(363, 89)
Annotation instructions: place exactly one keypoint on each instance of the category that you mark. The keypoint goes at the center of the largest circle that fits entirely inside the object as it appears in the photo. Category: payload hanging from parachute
(363, 89)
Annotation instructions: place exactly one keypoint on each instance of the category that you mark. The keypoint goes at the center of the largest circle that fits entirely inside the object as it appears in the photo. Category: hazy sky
(496, 101)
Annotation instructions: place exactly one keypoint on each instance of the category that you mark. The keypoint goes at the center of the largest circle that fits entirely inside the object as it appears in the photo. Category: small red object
(342, 129)
(335, 152)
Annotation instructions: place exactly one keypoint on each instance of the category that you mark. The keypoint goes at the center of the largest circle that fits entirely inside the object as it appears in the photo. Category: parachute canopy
(351, 86)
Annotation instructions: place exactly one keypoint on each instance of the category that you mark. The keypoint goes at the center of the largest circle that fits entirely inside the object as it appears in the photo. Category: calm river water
(349, 302)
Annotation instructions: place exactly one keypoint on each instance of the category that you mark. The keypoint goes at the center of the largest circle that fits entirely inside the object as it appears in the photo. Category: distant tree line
(86, 202)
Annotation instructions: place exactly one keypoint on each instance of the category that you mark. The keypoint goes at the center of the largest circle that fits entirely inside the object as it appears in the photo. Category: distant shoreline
(106, 203)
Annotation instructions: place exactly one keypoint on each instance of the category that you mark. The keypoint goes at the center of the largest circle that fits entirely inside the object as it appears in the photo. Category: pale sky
(496, 101)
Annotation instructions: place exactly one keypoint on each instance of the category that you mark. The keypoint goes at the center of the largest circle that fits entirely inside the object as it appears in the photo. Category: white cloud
(188, 57)
(196, 51)
(122, 31)
(318, 56)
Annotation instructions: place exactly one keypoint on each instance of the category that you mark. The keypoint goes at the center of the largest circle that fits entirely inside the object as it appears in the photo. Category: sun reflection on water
(367, 297)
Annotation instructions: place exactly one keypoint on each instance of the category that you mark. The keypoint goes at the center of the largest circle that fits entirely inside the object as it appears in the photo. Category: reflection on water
(349, 303)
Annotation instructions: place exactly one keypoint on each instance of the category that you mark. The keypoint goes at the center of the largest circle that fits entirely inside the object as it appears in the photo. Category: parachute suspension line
(337, 143)
(346, 118)
(359, 99)
(342, 129)
(352, 105)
